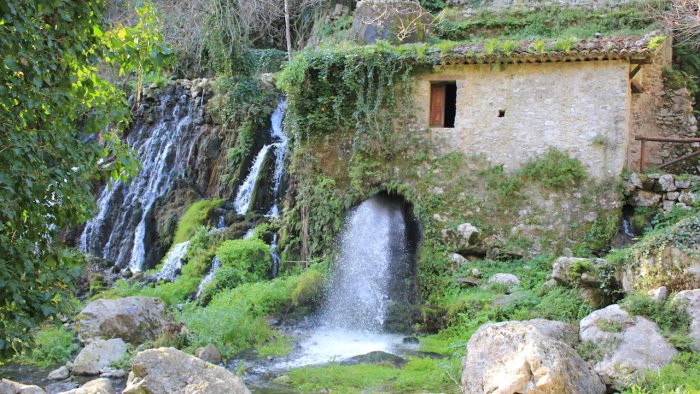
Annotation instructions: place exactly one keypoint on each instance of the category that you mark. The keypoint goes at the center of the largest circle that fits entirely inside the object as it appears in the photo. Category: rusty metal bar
(674, 161)
(668, 139)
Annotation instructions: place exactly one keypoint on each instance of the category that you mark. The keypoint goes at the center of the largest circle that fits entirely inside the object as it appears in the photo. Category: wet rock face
(630, 345)
(153, 372)
(526, 356)
(134, 319)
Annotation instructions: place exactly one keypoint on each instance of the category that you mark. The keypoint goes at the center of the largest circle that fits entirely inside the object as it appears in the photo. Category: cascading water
(243, 200)
(215, 265)
(119, 230)
(373, 247)
(280, 144)
(173, 262)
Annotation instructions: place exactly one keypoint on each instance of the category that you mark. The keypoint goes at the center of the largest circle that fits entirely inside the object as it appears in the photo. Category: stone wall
(660, 111)
(579, 108)
(662, 191)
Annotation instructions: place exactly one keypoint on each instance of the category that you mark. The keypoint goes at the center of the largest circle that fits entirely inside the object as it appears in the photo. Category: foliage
(235, 320)
(54, 112)
(555, 170)
(194, 217)
(676, 79)
(680, 377)
(277, 345)
(242, 261)
(54, 346)
(670, 316)
(343, 88)
(419, 374)
(553, 22)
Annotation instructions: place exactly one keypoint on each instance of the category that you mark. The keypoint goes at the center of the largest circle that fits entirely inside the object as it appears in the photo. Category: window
(443, 104)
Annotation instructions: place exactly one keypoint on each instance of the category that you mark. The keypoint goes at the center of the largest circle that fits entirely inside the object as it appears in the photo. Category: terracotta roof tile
(617, 48)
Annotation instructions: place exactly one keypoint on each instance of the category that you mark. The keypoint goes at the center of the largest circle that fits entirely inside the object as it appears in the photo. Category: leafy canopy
(59, 124)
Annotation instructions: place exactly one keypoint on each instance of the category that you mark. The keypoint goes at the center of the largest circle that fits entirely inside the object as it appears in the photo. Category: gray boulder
(209, 354)
(97, 386)
(168, 370)
(9, 387)
(59, 374)
(666, 183)
(508, 280)
(590, 276)
(643, 198)
(629, 345)
(526, 357)
(691, 301)
(134, 319)
(98, 355)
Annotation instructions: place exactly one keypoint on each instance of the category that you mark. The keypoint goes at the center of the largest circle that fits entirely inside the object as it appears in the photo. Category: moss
(193, 218)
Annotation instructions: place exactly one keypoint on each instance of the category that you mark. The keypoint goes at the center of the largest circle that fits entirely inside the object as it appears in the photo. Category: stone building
(589, 99)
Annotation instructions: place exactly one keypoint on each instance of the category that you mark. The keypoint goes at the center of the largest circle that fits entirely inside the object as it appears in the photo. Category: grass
(53, 346)
(555, 170)
(418, 375)
(680, 377)
(277, 345)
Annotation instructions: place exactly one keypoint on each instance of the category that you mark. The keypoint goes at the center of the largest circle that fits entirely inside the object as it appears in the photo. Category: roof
(632, 49)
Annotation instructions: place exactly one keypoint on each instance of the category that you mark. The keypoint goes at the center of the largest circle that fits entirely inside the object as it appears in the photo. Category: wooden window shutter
(437, 105)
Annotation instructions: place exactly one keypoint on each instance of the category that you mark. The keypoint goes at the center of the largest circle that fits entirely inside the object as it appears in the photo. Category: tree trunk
(288, 29)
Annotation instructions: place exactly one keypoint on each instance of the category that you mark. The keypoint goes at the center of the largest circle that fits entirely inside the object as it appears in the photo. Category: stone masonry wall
(579, 108)
(662, 191)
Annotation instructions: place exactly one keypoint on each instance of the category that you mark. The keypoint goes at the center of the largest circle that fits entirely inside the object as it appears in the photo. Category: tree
(59, 124)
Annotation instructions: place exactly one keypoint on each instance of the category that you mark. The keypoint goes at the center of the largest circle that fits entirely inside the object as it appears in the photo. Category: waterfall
(358, 295)
(215, 265)
(245, 192)
(275, 257)
(280, 143)
(279, 146)
(375, 267)
(120, 232)
(173, 262)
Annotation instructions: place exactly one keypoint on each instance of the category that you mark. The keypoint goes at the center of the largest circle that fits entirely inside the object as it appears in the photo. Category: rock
(635, 180)
(59, 374)
(667, 206)
(659, 295)
(525, 356)
(397, 21)
(688, 198)
(465, 238)
(376, 357)
(97, 386)
(590, 275)
(672, 196)
(683, 184)
(98, 355)
(666, 183)
(468, 282)
(475, 272)
(209, 354)
(457, 261)
(113, 373)
(691, 302)
(61, 387)
(630, 345)
(153, 372)
(643, 198)
(410, 340)
(9, 387)
(134, 319)
(504, 279)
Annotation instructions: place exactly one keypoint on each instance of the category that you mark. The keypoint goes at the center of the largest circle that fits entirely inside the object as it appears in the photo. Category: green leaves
(59, 132)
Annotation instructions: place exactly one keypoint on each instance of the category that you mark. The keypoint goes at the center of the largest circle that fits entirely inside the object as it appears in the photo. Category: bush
(682, 376)
(242, 261)
(53, 346)
(670, 316)
(555, 170)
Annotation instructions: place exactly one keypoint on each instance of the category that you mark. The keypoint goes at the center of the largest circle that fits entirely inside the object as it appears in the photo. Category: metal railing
(642, 151)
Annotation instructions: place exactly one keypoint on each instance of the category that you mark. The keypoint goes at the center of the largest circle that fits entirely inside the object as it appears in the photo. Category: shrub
(53, 346)
(670, 316)
(555, 170)
(242, 261)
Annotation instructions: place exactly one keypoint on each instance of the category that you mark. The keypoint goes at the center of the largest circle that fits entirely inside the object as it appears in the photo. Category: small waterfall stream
(173, 262)
(215, 265)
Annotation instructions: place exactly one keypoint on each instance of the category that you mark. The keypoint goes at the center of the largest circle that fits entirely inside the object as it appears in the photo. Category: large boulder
(526, 356)
(97, 386)
(209, 354)
(134, 319)
(690, 299)
(629, 345)
(9, 387)
(168, 370)
(595, 278)
(98, 355)
(398, 21)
